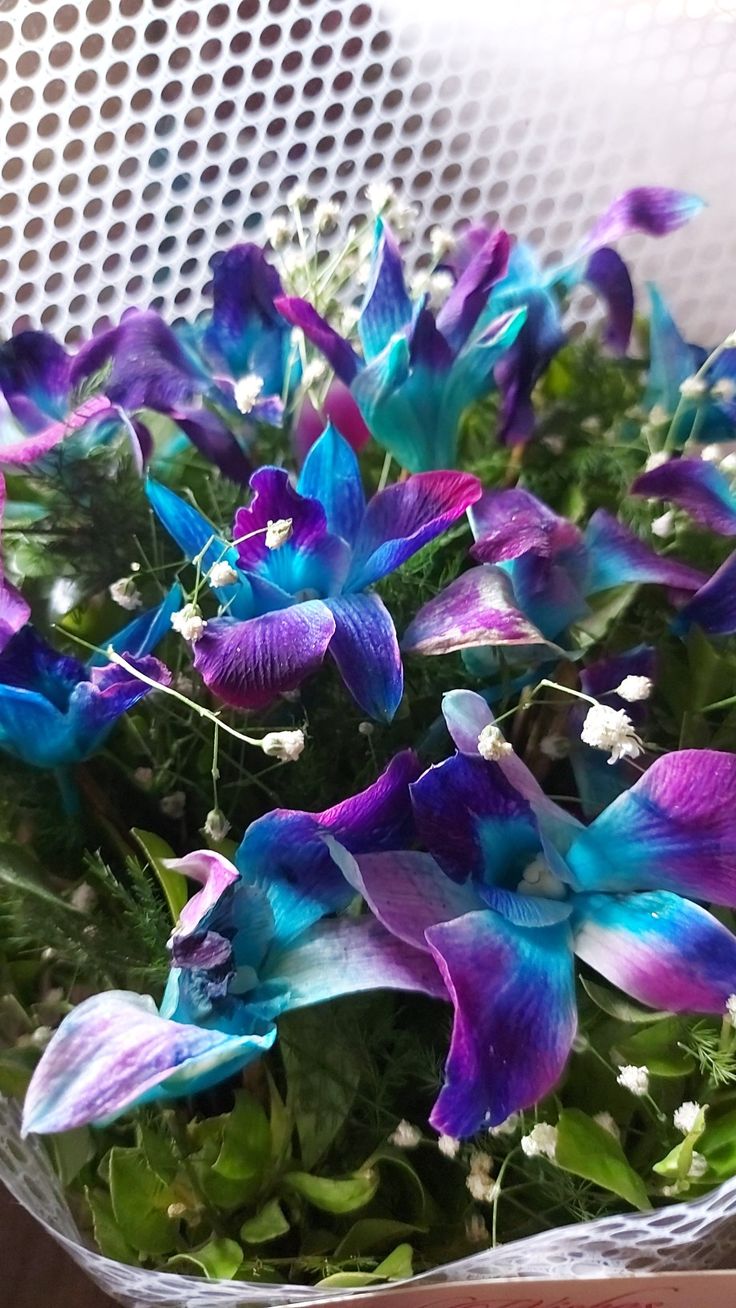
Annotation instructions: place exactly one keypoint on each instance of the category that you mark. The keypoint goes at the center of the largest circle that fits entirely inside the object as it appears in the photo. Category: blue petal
(609, 277)
(196, 537)
(365, 648)
(714, 606)
(331, 474)
(386, 306)
(143, 634)
(246, 329)
(671, 358)
(696, 486)
(617, 556)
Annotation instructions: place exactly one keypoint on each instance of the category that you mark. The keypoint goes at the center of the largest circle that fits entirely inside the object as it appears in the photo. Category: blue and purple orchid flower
(144, 366)
(652, 210)
(537, 573)
(419, 372)
(512, 888)
(705, 410)
(56, 711)
(253, 943)
(703, 491)
(288, 606)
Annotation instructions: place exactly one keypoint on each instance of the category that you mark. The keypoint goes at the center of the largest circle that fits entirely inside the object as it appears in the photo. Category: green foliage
(588, 1150)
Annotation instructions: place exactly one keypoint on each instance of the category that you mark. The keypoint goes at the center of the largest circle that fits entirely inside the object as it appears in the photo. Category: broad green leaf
(107, 1233)
(280, 1122)
(718, 1144)
(676, 1165)
(71, 1150)
(246, 1141)
(269, 1224)
(159, 1151)
(218, 1260)
(342, 1196)
(370, 1233)
(322, 1077)
(173, 884)
(16, 1070)
(415, 1201)
(397, 1267)
(139, 1203)
(586, 1149)
(618, 1006)
(656, 1047)
(20, 871)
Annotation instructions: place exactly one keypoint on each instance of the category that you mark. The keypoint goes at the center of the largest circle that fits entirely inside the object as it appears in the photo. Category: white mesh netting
(685, 1237)
(142, 135)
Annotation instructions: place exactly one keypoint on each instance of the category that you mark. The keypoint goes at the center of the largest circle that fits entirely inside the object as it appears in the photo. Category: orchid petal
(35, 378)
(515, 1017)
(618, 556)
(144, 633)
(246, 329)
(311, 559)
(671, 358)
(713, 608)
(658, 948)
(34, 447)
(331, 475)
(386, 306)
(213, 872)
(476, 609)
(340, 410)
(247, 664)
(507, 524)
(96, 704)
(608, 276)
(366, 650)
(469, 297)
(149, 367)
(215, 441)
(696, 486)
(653, 210)
(339, 354)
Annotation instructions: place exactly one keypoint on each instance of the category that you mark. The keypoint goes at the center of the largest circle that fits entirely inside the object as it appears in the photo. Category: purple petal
(366, 650)
(114, 1051)
(510, 523)
(215, 441)
(658, 948)
(714, 606)
(35, 378)
(213, 872)
(14, 612)
(653, 210)
(518, 371)
(341, 410)
(339, 354)
(310, 560)
(618, 556)
(149, 367)
(35, 447)
(428, 348)
(402, 518)
(246, 664)
(331, 476)
(469, 244)
(95, 705)
(469, 297)
(246, 329)
(408, 892)
(476, 609)
(513, 991)
(609, 277)
(347, 957)
(696, 486)
(286, 854)
(386, 307)
(474, 822)
(674, 830)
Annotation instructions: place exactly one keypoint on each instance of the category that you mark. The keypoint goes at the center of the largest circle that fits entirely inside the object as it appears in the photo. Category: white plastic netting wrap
(685, 1237)
(140, 136)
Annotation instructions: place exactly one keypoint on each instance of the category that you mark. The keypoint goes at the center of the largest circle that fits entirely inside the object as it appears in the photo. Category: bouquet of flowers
(368, 730)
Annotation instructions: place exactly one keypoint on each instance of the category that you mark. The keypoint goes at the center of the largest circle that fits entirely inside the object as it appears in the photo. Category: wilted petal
(608, 276)
(339, 354)
(114, 1051)
(714, 606)
(366, 650)
(469, 297)
(405, 516)
(346, 957)
(513, 991)
(331, 475)
(246, 664)
(213, 872)
(618, 556)
(659, 948)
(696, 486)
(476, 609)
(653, 210)
(675, 829)
(386, 306)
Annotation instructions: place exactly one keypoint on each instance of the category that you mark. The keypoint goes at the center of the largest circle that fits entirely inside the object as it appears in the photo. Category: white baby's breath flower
(612, 730)
(314, 372)
(405, 1136)
(591, 425)
(297, 198)
(730, 341)
(698, 1166)
(554, 443)
(693, 388)
(448, 1145)
(278, 532)
(366, 728)
(664, 525)
(441, 241)
(125, 593)
(349, 319)
(143, 777)
(731, 1009)
(633, 689)
(404, 220)
(712, 453)
(686, 1116)
(216, 825)
(509, 1125)
(481, 1188)
(635, 1079)
(418, 284)
(656, 460)
(247, 391)
(491, 744)
(326, 214)
(476, 1231)
(554, 746)
(608, 1123)
(440, 285)
(174, 805)
(541, 1142)
(222, 574)
(729, 464)
(189, 622)
(658, 415)
(83, 897)
(286, 746)
(278, 232)
(380, 195)
(41, 1036)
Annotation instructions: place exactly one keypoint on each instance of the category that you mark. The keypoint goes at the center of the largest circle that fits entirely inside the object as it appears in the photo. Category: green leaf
(139, 1203)
(218, 1260)
(322, 1077)
(72, 1150)
(269, 1224)
(618, 1006)
(415, 1201)
(656, 1047)
(159, 1151)
(370, 1233)
(16, 1070)
(676, 1165)
(586, 1149)
(246, 1141)
(280, 1122)
(397, 1267)
(173, 884)
(20, 871)
(108, 1236)
(718, 1144)
(342, 1196)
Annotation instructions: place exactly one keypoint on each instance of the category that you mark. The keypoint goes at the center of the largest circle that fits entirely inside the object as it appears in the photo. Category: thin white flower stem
(383, 479)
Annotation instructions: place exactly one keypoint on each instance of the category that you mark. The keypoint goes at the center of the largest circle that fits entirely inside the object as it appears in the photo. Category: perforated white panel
(142, 135)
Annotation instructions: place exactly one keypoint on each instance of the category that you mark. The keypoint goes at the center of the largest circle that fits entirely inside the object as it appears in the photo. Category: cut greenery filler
(368, 731)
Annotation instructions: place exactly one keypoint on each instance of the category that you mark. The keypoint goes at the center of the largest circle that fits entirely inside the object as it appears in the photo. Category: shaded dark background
(36, 1273)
